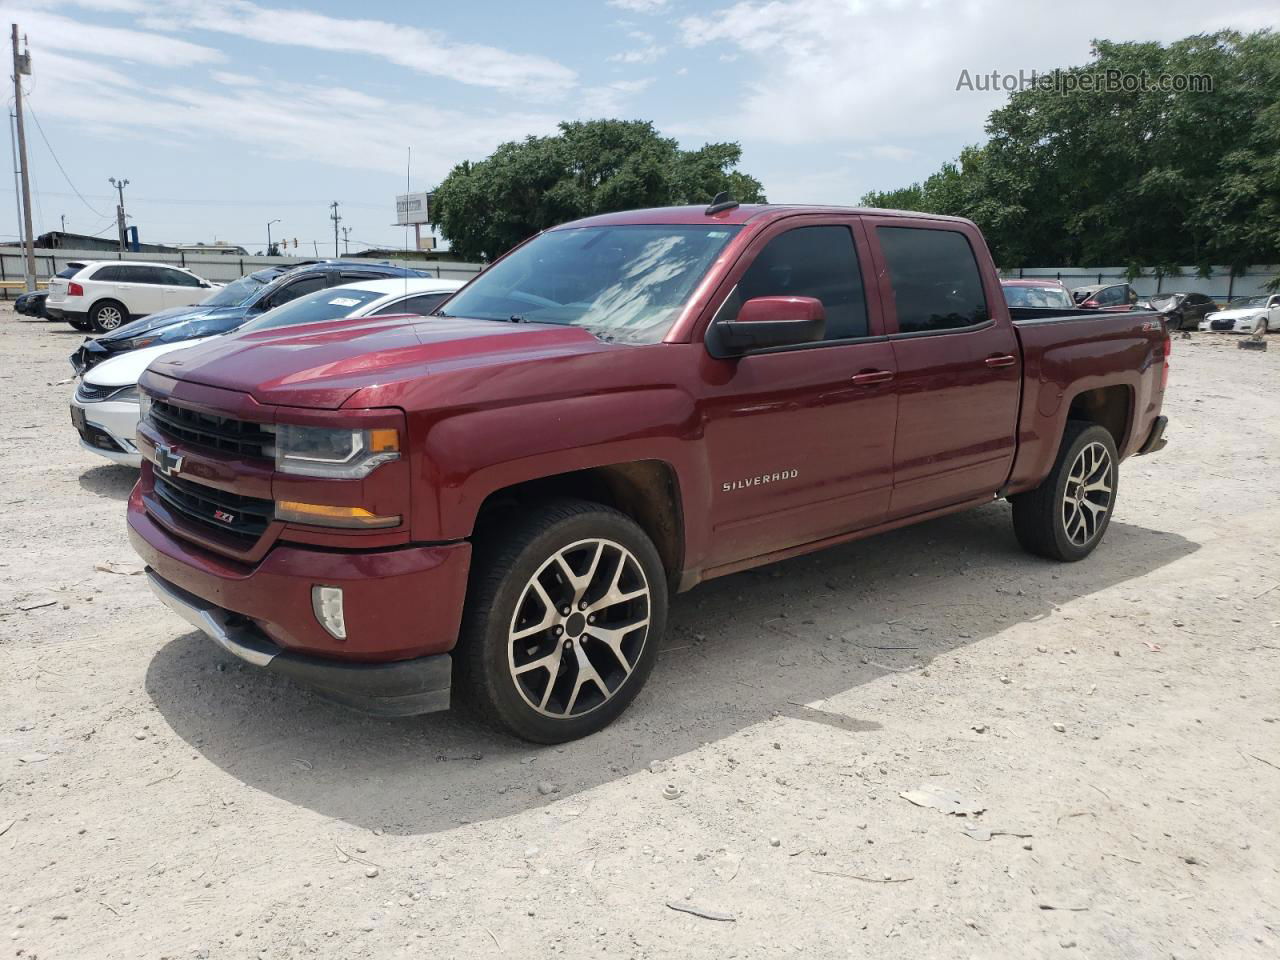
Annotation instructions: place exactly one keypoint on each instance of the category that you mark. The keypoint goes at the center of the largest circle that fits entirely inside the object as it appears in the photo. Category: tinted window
(111, 274)
(423, 304)
(317, 306)
(296, 289)
(134, 274)
(1021, 296)
(935, 279)
(176, 278)
(818, 262)
(70, 270)
(1111, 296)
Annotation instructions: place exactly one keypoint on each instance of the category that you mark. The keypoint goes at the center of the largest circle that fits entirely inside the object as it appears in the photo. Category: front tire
(108, 315)
(1065, 517)
(565, 611)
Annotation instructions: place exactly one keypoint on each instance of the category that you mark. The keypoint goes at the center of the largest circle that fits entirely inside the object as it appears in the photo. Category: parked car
(230, 307)
(1112, 297)
(1183, 311)
(32, 304)
(1242, 315)
(104, 406)
(1036, 292)
(104, 295)
(494, 502)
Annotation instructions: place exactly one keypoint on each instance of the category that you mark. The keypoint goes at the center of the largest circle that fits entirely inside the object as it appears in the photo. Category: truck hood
(321, 365)
(124, 369)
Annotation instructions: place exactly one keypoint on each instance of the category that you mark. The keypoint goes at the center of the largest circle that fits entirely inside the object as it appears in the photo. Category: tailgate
(57, 289)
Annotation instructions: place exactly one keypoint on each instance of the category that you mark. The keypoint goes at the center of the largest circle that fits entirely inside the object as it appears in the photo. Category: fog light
(326, 602)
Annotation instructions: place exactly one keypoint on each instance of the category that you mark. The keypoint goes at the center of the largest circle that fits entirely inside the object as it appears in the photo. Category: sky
(225, 114)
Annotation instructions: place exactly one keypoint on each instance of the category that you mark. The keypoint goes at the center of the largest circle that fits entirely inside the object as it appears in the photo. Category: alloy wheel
(1087, 496)
(579, 628)
(109, 318)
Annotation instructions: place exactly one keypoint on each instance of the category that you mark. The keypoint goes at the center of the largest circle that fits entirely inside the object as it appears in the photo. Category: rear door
(800, 439)
(957, 360)
(134, 285)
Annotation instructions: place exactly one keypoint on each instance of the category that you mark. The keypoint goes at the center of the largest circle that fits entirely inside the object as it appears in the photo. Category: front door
(801, 439)
(958, 365)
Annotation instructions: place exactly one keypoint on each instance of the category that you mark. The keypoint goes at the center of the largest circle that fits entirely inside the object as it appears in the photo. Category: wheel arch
(1110, 407)
(647, 491)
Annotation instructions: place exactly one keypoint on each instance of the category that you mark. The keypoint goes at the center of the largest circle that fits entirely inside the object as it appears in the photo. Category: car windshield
(234, 294)
(1244, 303)
(622, 283)
(1020, 296)
(314, 307)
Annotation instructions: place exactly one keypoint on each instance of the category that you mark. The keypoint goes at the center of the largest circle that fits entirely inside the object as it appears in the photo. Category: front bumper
(401, 606)
(109, 429)
(399, 689)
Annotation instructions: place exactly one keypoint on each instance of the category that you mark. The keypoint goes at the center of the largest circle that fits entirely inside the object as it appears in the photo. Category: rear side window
(132, 274)
(818, 262)
(111, 274)
(935, 279)
(422, 304)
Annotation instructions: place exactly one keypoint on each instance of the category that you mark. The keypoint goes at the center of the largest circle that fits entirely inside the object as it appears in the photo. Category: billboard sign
(412, 208)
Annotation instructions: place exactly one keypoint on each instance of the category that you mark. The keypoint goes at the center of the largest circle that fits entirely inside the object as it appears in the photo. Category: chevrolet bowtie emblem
(167, 462)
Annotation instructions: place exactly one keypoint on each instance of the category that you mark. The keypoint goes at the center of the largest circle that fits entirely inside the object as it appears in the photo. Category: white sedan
(1244, 315)
(104, 408)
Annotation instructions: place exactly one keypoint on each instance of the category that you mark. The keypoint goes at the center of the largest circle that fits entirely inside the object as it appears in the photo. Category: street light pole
(120, 217)
(22, 65)
(269, 223)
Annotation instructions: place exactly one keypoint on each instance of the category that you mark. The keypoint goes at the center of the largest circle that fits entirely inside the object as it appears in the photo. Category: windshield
(621, 283)
(314, 307)
(1165, 297)
(1037, 297)
(1244, 303)
(234, 294)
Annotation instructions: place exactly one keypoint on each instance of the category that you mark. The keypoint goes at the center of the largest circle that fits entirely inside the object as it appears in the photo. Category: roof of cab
(744, 213)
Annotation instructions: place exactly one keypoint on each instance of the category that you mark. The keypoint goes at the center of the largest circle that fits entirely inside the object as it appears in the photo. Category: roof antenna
(721, 203)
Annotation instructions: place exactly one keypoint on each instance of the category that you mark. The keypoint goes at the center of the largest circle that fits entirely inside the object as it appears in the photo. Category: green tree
(484, 209)
(1150, 177)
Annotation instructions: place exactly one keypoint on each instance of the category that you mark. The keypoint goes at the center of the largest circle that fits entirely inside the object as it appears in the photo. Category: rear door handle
(872, 376)
(1001, 360)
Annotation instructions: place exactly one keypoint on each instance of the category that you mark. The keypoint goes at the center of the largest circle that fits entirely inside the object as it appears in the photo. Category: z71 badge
(224, 516)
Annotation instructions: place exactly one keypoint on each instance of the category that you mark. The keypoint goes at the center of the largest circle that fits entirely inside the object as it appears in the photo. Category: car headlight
(144, 404)
(325, 452)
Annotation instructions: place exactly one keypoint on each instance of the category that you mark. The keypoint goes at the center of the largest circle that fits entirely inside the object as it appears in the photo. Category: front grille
(228, 513)
(225, 434)
(92, 393)
(1221, 324)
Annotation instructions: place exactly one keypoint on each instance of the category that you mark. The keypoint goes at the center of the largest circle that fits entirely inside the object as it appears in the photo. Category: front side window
(935, 279)
(296, 289)
(176, 278)
(422, 304)
(1111, 296)
(818, 262)
(626, 283)
(315, 307)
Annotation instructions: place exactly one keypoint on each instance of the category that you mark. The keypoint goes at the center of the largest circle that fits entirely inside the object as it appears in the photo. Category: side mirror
(764, 322)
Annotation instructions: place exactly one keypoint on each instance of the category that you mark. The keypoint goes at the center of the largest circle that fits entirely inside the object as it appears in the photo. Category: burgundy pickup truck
(499, 499)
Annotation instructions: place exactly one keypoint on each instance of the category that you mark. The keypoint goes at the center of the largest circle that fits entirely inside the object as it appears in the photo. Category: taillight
(75, 290)
(1168, 349)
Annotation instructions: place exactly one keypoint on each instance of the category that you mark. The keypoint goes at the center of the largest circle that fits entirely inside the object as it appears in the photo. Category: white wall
(211, 266)
(1219, 284)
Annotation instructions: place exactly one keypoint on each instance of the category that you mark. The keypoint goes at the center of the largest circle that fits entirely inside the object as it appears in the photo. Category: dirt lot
(159, 799)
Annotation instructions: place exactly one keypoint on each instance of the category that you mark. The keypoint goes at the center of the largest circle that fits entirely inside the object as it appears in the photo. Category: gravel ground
(1115, 719)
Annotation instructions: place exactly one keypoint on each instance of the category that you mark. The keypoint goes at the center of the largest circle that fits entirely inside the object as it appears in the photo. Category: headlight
(144, 405)
(137, 343)
(323, 452)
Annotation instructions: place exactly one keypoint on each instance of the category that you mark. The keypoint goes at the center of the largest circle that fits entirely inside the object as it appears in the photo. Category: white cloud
(419, 49)
(608, 100)
(49, 31)
(640, 6)
(647, 52)
(851, 70)
(234, 79)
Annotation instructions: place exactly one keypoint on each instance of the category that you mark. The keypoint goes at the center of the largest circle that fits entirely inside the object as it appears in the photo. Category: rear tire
(1066, 516)
(108, 315)
(524, 664)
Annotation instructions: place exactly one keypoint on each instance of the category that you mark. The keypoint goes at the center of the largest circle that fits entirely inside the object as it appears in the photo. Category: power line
(49, 146)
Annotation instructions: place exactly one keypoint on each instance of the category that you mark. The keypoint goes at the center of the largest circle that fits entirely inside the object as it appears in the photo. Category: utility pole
(64, 223)
(120, 217)
(346, 246)
(335, 218)
(269, 223)
(22, 67)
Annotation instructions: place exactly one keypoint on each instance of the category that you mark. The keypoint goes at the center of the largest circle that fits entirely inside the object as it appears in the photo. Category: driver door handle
(868, 377)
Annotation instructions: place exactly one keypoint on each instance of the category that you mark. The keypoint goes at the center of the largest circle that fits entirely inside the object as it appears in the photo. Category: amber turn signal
(324, 515)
